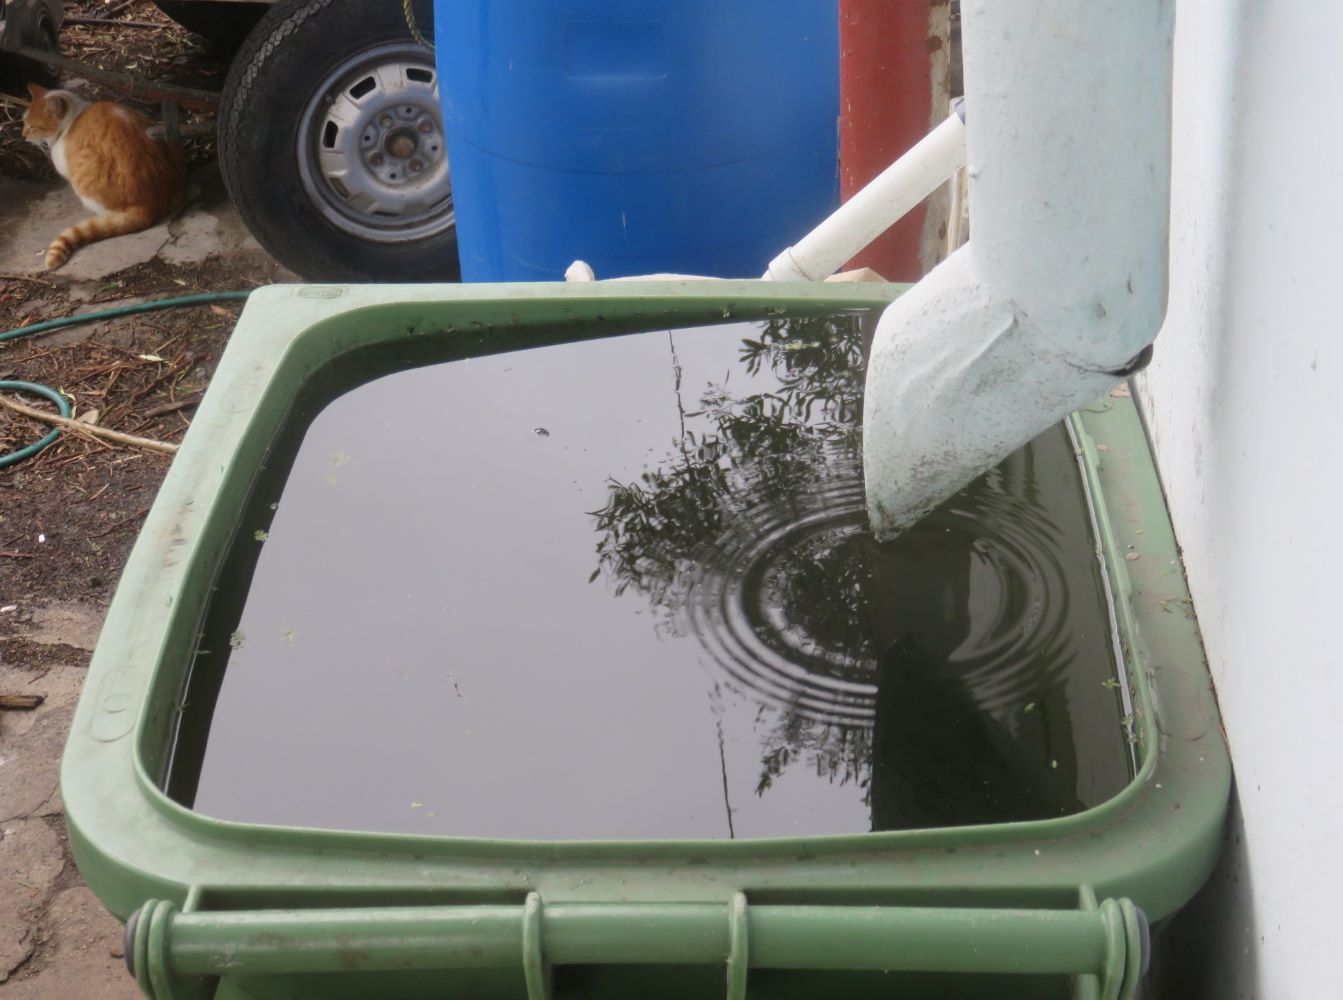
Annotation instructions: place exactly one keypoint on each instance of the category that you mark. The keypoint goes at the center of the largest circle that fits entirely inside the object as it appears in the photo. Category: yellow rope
(414, 29)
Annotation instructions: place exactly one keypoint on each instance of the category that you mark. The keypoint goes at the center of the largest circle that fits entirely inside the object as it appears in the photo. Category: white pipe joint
(1062, 287)
(877, 207)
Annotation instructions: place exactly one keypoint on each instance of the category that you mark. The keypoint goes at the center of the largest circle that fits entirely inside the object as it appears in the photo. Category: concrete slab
(59, 685)
(31, 764)
(30, 862)
(32, 215)
(62, 624)
(195, 237)
(31, 742)
(81, 954)
(101, 260)
(209, 226)
(53, 210)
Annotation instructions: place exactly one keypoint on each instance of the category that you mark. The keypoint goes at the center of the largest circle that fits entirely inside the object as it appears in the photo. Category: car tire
(331, 143)
(225, 24)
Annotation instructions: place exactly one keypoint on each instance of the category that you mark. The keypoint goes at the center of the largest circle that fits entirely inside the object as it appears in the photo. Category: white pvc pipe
(1063, 283)
(877, 207)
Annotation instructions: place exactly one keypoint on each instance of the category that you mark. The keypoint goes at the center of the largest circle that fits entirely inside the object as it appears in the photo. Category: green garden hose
(178, 302)
(36, 389)
(139, 307)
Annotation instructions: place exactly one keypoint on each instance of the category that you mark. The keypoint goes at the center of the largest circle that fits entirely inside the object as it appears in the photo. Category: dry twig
(22, 702)
(120, 24)
(89, 430)
(181, 404)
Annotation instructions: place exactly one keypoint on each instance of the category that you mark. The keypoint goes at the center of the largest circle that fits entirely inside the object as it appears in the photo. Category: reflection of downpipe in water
(1062, 286)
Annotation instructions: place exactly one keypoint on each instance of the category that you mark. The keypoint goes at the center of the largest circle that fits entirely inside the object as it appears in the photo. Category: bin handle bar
(167, 947)
(173, 953)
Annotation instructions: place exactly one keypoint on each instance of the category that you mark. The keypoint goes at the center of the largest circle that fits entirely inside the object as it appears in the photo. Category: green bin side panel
(1155, 842)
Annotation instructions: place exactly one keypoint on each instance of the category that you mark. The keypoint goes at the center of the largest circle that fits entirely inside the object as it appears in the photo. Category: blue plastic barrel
(693, 136)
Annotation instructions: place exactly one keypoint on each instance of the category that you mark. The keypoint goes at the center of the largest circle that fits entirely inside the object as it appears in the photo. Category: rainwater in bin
(625, 589)
(696, 136)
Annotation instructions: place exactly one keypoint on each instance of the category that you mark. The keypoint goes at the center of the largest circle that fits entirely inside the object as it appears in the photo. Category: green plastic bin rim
(1154, 842)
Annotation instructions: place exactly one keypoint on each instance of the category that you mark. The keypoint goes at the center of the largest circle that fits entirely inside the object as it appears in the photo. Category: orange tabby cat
(130, 180)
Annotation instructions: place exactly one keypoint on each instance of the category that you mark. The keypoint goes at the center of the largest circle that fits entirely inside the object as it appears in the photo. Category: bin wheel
(331, 143)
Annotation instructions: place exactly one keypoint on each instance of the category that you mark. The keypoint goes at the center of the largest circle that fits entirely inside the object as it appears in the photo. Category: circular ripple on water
(783, 601)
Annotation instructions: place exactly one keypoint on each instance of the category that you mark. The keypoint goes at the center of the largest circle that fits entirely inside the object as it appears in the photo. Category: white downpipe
(877, 207)
(1062, 286)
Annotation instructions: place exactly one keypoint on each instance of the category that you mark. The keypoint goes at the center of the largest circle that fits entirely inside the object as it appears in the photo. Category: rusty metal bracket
(133, 86)
(170, 98)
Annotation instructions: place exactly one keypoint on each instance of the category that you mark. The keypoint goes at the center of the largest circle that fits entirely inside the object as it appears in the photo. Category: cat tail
(100, 227)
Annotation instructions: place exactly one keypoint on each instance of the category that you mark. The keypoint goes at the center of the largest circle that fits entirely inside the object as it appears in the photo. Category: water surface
(625, 589)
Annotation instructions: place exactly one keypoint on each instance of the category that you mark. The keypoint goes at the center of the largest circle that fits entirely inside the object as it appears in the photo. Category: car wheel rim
(372, 157)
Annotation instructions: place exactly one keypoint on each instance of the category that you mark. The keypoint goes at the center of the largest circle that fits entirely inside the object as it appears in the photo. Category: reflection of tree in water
(866, 661)
(758, 460)
(763, 445)
(841, 753)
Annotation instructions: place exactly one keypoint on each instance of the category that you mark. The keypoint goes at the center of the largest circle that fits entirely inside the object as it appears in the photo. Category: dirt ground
(69, 515)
